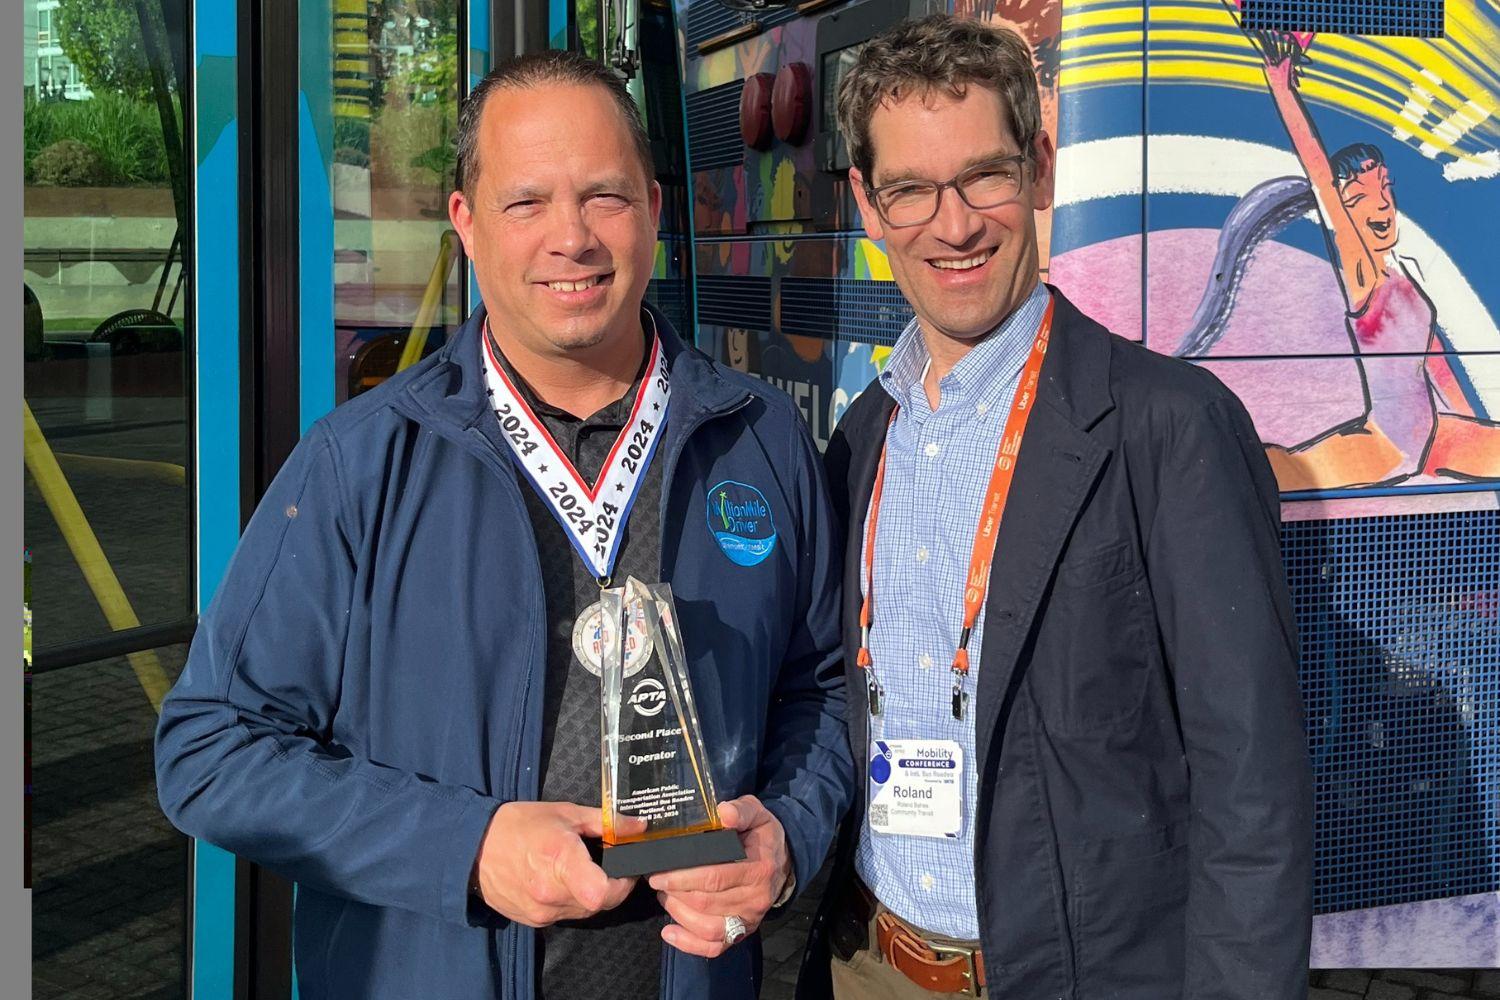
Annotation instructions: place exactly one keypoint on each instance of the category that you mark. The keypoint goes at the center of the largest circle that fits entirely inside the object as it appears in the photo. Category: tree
(103, 39)
(586, 15)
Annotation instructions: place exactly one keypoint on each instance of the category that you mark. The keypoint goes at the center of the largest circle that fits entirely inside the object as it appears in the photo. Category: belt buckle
(967, 954)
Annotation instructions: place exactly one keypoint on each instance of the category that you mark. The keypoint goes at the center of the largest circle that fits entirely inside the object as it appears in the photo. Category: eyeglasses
(984, 185)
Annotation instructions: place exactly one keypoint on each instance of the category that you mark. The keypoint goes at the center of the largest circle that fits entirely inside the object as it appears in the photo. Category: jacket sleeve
(806, 776)
(836, 459)
(244, 757)
(1213, 558)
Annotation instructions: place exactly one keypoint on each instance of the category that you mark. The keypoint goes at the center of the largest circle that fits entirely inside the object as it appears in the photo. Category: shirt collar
(979, 375)
(612, 415)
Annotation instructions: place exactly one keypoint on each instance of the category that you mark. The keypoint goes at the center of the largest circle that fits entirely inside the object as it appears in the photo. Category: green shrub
(351, 133)
(68, 163)
(38, 123)
(125, 135)
(399, 138)
(351, 156)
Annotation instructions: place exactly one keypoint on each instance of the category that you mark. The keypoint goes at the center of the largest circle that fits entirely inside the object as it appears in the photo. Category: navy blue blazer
(1144, 823)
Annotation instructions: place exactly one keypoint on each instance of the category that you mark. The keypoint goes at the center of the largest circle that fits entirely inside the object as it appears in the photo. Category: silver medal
(591, 632)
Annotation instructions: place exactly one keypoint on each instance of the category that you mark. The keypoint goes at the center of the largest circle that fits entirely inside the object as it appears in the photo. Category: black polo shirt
(617, 953)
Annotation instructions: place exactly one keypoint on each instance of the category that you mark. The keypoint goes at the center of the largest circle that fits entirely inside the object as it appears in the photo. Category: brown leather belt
(940, 968)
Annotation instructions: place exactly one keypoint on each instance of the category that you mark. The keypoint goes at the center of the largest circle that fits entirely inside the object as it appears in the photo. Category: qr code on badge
(880, 814)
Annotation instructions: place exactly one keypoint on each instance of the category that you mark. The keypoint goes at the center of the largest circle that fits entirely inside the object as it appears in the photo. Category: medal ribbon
(593, 519)
(982, 554)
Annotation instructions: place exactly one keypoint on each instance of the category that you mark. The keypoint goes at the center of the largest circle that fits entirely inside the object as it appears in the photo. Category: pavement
(109, 874)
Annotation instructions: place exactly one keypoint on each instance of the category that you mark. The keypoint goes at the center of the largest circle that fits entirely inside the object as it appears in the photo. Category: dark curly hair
(937, 52)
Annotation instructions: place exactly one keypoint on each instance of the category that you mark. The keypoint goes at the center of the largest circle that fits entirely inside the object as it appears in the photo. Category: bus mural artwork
(1362, 340)
(1418, 418)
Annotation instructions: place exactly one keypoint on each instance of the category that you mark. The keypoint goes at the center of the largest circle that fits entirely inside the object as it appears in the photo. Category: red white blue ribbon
(593, 519)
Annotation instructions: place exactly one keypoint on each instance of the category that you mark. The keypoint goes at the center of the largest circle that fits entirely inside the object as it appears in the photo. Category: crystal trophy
(660, 810)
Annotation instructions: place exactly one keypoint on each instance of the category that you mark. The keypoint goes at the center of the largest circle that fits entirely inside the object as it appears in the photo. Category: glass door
(110, 338)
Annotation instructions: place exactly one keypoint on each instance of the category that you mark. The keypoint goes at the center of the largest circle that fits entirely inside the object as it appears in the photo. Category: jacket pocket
(1104, 564)
(1089, 666)
(1129, 933)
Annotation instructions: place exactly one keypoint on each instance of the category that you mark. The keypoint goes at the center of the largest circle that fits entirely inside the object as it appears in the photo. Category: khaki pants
(868, 976)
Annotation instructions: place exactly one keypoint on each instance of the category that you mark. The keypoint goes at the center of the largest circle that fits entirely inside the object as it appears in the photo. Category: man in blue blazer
(1071, 652)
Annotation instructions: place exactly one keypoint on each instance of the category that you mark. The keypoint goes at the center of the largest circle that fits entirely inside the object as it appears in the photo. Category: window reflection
(105, 326)
(107, 345)
(396, 92)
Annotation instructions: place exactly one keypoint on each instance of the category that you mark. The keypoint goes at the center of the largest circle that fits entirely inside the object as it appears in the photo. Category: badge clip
(960, 671)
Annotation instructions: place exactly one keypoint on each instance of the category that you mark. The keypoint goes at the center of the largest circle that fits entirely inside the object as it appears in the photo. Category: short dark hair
(1350, 161)
(939, 52)
(535, 69)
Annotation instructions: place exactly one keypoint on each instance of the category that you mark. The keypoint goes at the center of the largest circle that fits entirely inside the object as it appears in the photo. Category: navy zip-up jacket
(366, 687)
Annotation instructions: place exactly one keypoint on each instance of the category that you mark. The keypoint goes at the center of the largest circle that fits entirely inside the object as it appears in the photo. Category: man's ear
(874, 228)
(463, 221)
(1044, 167)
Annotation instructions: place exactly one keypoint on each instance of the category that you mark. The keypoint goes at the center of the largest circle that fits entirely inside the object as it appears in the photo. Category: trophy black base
(646, 857)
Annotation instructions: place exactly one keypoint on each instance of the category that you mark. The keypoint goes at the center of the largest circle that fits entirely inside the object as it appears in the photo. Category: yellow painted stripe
(1250, 77)
(1131, 14)
(1465, 60)
(1311, 77)
(100, 576)
(1076, 43)
(1098, 76)
(1105, 57)
(1187, 66)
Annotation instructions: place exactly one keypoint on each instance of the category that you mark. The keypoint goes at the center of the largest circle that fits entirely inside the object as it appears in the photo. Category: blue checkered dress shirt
(937, 469)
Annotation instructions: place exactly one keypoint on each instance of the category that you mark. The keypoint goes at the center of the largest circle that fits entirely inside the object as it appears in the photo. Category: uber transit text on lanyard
(593, 519)
(976, 584)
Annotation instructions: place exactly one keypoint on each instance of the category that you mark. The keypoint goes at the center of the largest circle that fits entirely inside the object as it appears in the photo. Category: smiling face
(967, 269)
(562, 225)
(1371, 204)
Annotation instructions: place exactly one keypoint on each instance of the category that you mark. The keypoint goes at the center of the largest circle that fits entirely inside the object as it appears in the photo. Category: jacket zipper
(523, 752)
(669, 471)
(491, 456)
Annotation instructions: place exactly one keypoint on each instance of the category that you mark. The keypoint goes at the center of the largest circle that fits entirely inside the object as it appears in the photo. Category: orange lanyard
(983, 553)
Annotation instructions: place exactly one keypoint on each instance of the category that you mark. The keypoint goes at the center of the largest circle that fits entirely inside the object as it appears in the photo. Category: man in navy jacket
(383, 695)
